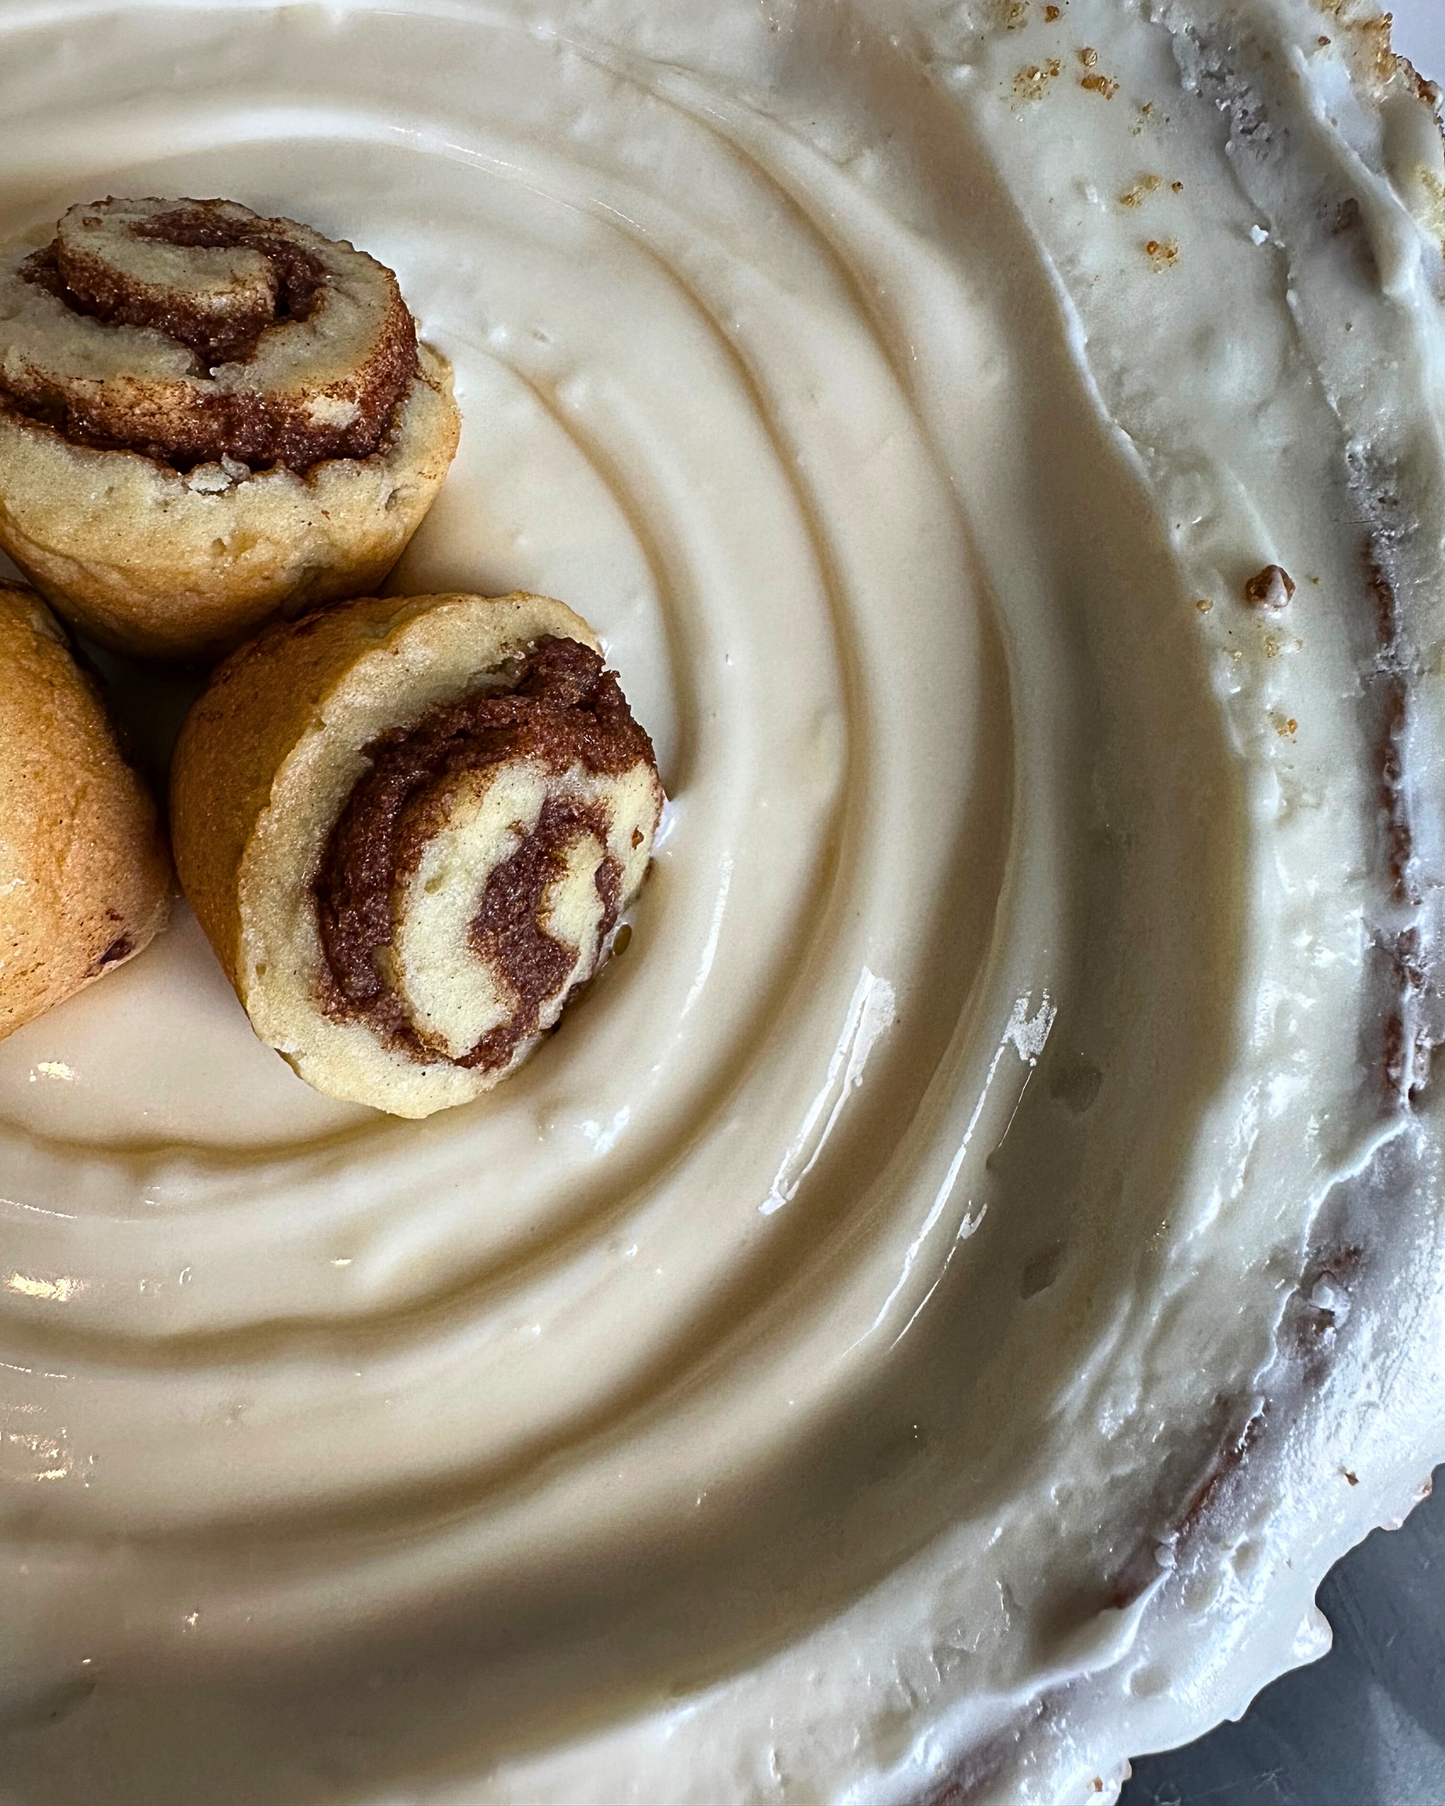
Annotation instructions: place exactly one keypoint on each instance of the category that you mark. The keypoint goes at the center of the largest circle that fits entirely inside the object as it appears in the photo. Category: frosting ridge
(920, 1229)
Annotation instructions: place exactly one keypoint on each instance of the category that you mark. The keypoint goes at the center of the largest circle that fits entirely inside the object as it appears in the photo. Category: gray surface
(1363, 1727)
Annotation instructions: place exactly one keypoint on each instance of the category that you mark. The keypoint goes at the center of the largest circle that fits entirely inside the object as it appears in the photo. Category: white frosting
(803, 1380)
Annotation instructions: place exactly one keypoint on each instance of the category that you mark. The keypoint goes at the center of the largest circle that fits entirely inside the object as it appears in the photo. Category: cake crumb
(1088, 56)
(1163, 253)
(1030, 83)
(1354, 1479)
(1052, 14)
(1204, 605)
(1099, 84)
(1348, 216)
(1270, 588)
(1134, 196)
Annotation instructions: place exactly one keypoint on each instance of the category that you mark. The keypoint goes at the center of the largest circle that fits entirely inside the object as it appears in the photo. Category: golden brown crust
(257, 706)
(85, 880)
(164, 564)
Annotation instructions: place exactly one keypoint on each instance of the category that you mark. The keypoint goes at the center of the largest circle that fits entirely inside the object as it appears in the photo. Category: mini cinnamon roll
(409, 828)
(207, 416)
(85, 879)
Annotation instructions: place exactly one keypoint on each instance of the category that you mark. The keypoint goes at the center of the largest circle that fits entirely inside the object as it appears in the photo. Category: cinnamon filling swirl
(473, 875)
(196, 331)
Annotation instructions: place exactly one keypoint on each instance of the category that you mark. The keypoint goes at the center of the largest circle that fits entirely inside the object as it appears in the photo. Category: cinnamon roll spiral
(206, 415)
(409, 829)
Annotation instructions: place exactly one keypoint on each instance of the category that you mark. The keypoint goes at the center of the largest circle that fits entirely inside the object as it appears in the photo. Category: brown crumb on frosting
(1273, 587)
(1146, 185)
(1031, 82)
(1163, 253)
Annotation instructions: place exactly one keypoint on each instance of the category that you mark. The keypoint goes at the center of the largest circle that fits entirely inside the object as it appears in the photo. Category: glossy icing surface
(822, 1370)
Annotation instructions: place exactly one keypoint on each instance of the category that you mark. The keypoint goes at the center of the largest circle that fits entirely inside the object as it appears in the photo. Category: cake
(922, 1333)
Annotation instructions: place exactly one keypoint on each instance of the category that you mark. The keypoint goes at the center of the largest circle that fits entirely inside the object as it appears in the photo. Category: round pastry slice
(85, 879)
(207, 416)
(409, 828)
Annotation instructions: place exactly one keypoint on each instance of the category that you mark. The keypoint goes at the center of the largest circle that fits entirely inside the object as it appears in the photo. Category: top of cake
(924, 1331)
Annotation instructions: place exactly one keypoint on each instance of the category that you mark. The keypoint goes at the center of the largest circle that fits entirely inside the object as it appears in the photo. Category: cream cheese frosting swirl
(924, 1329)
